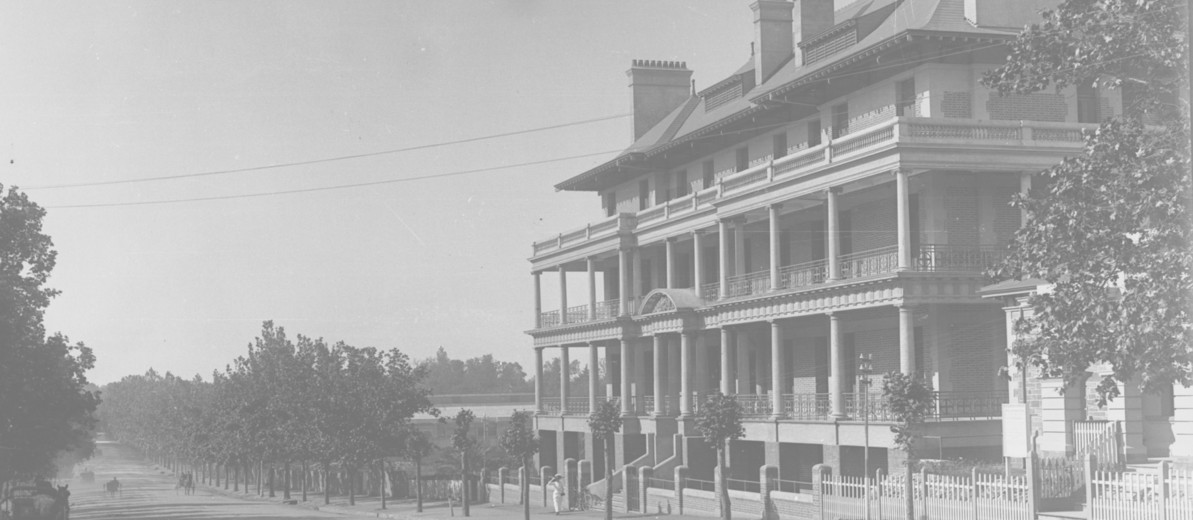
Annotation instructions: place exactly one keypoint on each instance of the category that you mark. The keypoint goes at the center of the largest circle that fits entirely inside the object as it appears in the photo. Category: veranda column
(669, 252)
(776, 369)
(1024, 190)
(774, 246)
(660, 347)
(686, 342)
(564, 378)
(626, 374)
(592, 301)
(906, 339)
(594, 376)
(836, 387)
(563, 295)
(723, 269)
(697, 274)
(538, 300)
(728, 378)
(834, 232)
(739, 246)
(903, 219)
(623, 268)
(538, 379)
(674, 362)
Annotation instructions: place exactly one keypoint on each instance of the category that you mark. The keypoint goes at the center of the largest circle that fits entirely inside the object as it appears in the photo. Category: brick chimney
(657, 88)
(812, 17)
(773, 37)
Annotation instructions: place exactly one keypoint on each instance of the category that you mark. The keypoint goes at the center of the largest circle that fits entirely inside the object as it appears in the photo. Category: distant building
(839, 195)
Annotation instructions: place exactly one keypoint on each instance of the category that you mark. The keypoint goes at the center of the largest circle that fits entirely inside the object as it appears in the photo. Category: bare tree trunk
(526, 487)
(418, 482)
(608, 479)
(326, 485)
(464, 483)
(305, 474)
(907, 490)
(286, 483)
(351, 487)
(726, 508)
(381, 481)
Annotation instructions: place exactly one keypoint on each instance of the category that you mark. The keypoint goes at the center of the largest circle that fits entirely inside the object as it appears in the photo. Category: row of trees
(485, 375)
(285, 401)
(46, 404)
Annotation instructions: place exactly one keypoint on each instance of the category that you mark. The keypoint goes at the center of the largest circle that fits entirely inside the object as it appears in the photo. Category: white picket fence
(1119, 495)
(976, 497)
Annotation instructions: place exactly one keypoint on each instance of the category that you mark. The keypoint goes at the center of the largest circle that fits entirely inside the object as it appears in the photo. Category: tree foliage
(46, 408)
(520, 442)
(604, 422)
(1109, 230)
(479, 375)
(910, 400)
(719, 422)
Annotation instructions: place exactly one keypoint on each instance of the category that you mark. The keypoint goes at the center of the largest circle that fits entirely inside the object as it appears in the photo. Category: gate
(632, 490)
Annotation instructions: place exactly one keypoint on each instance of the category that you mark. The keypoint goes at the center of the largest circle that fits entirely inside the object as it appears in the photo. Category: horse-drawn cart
(32, 502)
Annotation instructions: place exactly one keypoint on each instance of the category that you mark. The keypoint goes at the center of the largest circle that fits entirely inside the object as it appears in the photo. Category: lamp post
(865, 367)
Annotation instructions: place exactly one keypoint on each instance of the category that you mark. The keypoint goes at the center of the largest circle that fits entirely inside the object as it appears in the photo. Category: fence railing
(1102, 439)
(754, 405)
(1121, 495)
(757, 282)
(977, 496)
(812, 407)
(803, 275)
(577, 314)
(608, 309)
(549, 319)
(876, 261)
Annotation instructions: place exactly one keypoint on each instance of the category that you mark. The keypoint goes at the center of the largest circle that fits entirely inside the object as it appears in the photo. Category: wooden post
(681, 476)
(501, 474)
(973, 494)
(1033, 481)
(1089, 461)
(923, 490)
(1163, 485)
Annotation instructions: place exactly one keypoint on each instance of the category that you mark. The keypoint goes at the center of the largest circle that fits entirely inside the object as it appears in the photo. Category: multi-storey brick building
(839, 195)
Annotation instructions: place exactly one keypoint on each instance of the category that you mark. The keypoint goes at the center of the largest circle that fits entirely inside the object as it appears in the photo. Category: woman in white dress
(556, 486)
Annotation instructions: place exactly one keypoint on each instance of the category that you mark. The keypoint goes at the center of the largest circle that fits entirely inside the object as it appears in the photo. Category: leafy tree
(719, 422)
(521, 443)
(910, 400)
(418, 446)
(45, 406)
(1109, 229)
(463, 444)
(479, 375)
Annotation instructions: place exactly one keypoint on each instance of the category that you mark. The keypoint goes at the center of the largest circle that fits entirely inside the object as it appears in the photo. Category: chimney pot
(773, 42)
(657, 87)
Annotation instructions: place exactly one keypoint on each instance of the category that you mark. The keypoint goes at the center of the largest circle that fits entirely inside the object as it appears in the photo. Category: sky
(103, 91)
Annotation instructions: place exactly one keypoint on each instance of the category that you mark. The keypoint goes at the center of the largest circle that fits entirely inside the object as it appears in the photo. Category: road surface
(149, 494)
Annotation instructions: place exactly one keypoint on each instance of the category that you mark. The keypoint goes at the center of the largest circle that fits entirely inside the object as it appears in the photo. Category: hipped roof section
(879, 22)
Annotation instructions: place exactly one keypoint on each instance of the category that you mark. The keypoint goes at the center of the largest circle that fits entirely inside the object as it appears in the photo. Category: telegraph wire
(335, 187)
(327, 159)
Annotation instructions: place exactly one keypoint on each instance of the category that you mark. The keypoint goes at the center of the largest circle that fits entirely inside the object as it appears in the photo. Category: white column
(660, 347)
(538, 379)
(592, 301)
(774, 246)
(776, 369)
(727, 376)
(723, 228)
(669, 253)
(836, 380)
(834, 235)
(903, 219)
(906, 339)
(697, 274)
(742, 366)
(564, 377)
(686, 343)
(626, 375)
(1024, 190)
(563, 295)
(594, 376)
(623, 272)
(635, 276)
(538, 300)
(674, 363)
(739, 246)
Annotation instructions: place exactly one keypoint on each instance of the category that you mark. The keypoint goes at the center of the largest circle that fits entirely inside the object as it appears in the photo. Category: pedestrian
(556, 485)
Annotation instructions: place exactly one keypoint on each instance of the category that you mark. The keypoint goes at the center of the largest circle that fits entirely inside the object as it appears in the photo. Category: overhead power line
(326, 159)
(335, 187)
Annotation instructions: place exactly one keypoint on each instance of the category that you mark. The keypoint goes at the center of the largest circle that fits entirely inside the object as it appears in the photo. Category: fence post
(645, 473)
(819, 472)
(681, 476)
(767, 476)
(878, 489)
(1163, 490)
(1120, 458)
(1032, 463)
(973, 493)
(501, 474)
(923, 491)
(1089, 461)
(522, 484)
(545, 474)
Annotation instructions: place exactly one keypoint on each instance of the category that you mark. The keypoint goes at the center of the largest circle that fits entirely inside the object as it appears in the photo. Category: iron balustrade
(549, 318)
(969, 405)
(710, 291)
(753, 405)
(577, 314)
(608, 309)
(872, 403)
(743, 485)
(873, 262)
(803, 275)
(756, 282)
(703, 485)
(949, 257)
(813, 407)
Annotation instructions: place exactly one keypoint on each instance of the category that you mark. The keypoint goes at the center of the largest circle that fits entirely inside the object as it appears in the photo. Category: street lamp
(865, 367)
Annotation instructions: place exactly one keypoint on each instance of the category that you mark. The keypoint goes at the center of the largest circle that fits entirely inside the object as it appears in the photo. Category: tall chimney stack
(657, 88)
(774, 42)
(812, 17)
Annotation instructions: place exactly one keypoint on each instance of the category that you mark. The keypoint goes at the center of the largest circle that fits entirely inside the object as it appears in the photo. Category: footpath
(406, 509)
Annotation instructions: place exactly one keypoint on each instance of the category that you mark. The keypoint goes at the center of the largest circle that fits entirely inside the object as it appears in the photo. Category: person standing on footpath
(556, 485)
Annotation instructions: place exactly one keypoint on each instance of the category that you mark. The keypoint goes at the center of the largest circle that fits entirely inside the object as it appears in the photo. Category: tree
(521, 443)
(719, 422)
(45, 406)
(910, 400)
(604, 423)
(1109, 230)
(418, 446)
(463, 444)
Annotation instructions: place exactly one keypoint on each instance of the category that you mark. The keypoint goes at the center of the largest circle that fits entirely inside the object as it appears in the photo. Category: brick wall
(956, 105)
(873, 225)
(961, 210)
(1029, 107)
(969, 339)
(883, 344)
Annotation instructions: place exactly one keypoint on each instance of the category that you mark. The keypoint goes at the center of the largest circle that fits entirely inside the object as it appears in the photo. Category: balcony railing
(857, 406)
(948, 257)
(757, 282)
(753, 405)
(869, 263)
(710, 291)
(803, 275)
(550, 405)
(576, 406)
(549, 319)
(577, 314)
(608, 309)
(950, 406)
(807, 407)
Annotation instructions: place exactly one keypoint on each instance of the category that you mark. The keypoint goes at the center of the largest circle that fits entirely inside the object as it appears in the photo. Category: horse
(112, 487)
(55, 505)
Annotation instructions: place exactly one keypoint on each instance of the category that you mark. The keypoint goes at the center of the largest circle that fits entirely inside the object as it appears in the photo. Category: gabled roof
(878, 23)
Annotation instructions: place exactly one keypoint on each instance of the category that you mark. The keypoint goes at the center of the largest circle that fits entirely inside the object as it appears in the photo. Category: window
(905, 97)
(840, 120)
(814, 133)
(643, 194)
(743, 158)
(609, 202)
(662, 191)
(1088, 110)
(709, 178)
(780, 144)
(682, 188)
